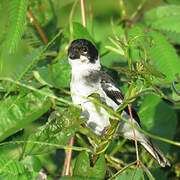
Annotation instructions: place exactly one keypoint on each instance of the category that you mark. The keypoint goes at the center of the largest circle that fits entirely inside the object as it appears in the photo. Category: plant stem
(83, 13)
(67, 163)
(135, 140)
(37, 26)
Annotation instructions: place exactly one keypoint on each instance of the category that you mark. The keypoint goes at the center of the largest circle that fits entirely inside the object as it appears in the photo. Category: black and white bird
(88, 78)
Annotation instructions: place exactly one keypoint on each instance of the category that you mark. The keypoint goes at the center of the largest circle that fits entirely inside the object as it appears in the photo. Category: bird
(87, 78)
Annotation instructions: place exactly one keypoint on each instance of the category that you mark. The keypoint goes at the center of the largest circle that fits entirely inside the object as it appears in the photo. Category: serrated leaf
(171, 23)
(14, 169)
(164, 18)
(162, 11)
(164, 56)
(17, 17)
(11, 169)
(158, 118)
(3, 19)
(17, 111)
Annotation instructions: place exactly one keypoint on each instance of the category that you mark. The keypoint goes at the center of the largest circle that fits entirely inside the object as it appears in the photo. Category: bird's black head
(82, 47)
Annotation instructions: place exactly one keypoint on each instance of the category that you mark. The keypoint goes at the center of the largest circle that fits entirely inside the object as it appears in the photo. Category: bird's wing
(114, 93)
(110, 89)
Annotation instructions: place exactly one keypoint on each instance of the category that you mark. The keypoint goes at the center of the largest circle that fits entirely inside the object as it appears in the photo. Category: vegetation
(139, 44)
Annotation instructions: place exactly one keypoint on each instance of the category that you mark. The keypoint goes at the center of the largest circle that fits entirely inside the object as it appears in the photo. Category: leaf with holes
(61, 126)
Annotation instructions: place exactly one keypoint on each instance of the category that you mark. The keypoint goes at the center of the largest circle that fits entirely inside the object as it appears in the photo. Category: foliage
(139, 44)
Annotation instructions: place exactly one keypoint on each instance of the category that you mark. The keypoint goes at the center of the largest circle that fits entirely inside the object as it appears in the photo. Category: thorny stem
(37, 26)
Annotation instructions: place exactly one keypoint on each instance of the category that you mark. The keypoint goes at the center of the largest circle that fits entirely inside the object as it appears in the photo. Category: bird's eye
(84, 50)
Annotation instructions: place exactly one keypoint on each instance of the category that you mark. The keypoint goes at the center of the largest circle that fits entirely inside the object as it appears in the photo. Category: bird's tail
(156, 153)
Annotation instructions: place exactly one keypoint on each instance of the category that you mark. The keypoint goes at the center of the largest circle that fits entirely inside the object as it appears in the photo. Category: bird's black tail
(156, 153)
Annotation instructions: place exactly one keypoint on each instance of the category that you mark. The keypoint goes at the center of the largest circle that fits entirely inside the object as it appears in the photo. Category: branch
(37, 26)
(83, 13)
(67, 163)
(135, 140)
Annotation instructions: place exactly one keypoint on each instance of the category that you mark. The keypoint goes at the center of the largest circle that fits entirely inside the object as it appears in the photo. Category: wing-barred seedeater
(88, 78)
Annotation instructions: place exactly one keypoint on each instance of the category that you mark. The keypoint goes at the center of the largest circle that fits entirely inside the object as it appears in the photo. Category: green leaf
(132, 174)
(174, 37)
(164, 56)
(79, 32)
(173, 2)
(82, 167)
(14, 169)
(3, 19)
(17, 111)
(32, 163)
(61, 126)
(11, 169)
(158, 118)
(17, 17)
(83, 170)
(61, 73)
(99, 169)
(164, 18)
(15, 64)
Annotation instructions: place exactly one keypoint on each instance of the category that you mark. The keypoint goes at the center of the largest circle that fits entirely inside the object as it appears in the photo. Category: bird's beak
(73, 54)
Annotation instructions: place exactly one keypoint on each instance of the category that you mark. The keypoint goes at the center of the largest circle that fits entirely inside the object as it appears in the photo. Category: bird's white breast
(81, 88)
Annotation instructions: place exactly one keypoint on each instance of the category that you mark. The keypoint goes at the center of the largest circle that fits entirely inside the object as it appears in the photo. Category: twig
(139, 8)
(135, 140)
(38, 27)
(67, 163)
(83, 13)
(163, 95)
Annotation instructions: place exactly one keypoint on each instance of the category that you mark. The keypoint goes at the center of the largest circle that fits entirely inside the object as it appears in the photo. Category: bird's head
(83, 53)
